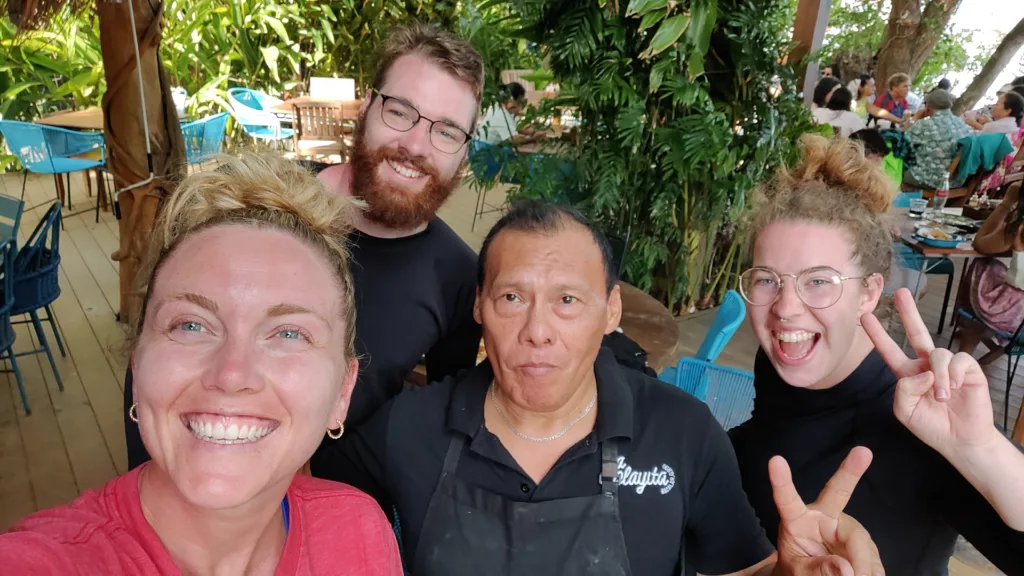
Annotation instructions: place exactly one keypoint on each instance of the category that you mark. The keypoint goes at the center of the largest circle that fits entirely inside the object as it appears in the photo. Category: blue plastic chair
(203, 137)
(727, 320)
(251, 109)
(36, 282)
(728, 392)
(7, 335)
(48, 150)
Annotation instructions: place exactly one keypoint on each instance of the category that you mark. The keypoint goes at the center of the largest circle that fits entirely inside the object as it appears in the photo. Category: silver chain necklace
(554, 436)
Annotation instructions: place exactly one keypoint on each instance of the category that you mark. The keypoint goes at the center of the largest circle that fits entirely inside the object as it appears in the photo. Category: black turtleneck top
(911, 500)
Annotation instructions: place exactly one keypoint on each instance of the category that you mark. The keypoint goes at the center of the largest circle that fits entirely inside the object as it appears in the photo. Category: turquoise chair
(251, 109)
(203, 137)
(727, 320)
(728, 392)
(49, 150)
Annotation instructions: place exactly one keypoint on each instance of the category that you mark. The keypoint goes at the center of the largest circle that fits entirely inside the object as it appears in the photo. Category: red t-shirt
(334, 529)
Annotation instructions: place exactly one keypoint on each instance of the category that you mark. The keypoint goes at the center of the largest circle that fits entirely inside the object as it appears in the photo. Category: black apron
(471, 532)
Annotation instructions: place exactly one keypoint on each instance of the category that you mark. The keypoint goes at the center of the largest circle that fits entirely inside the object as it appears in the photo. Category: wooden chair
(321, 128)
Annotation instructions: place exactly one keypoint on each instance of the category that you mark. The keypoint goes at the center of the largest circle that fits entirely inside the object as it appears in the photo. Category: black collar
(615, 399)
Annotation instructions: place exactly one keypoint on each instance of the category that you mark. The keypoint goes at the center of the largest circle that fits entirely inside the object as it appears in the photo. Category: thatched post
(125, 135)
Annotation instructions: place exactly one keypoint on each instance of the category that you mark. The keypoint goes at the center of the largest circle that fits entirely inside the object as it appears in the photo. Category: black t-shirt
(414, 297)
(695, 517)
(911, 500)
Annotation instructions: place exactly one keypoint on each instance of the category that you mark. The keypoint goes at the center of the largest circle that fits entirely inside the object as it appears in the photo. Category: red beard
(390, 206)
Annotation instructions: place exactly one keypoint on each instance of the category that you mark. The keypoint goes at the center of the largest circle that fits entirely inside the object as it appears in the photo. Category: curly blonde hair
(262, 191)
(834, 184)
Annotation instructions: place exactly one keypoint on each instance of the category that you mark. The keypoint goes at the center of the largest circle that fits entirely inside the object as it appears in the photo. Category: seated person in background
(995, 180)
(864, 90)
(894, 100)
(828, 378)
(243, 358)
(934, 139)
(500, 122)
(997, 291)
(823, 90)
(837, 113)
(550, 458)
(1006, 115)
(875, 148)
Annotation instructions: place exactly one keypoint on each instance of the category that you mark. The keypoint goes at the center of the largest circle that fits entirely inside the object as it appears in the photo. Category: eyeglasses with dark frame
(818, 287)
(401, 116)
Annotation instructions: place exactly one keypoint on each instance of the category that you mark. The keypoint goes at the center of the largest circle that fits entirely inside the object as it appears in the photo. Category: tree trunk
(996, 64)
(910, 36)
(126, 137)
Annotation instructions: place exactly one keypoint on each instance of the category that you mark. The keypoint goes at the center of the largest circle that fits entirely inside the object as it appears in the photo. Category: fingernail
(941, 394)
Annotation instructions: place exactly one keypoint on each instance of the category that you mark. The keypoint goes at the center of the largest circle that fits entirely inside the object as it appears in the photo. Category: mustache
(402, 156)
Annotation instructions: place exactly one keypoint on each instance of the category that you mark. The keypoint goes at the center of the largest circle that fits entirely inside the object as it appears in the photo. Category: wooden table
(650, 324)
(350, 108)
(87, 119)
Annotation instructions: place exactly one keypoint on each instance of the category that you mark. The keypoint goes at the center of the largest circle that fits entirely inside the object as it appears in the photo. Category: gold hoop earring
(335, 434)
(133, 412)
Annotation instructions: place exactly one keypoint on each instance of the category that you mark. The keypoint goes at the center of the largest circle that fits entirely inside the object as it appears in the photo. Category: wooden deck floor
(74, 440)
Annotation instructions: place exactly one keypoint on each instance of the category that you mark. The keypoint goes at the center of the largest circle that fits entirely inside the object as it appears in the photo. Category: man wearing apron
(550, 459)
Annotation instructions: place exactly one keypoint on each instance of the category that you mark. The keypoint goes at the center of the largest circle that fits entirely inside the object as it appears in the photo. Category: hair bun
(840, 163)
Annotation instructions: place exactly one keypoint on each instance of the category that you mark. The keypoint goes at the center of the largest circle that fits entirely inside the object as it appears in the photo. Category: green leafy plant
(683, 107)
(49, 70)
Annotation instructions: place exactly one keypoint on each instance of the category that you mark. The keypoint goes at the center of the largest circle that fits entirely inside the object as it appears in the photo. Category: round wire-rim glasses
(818, 287)
(399, 115)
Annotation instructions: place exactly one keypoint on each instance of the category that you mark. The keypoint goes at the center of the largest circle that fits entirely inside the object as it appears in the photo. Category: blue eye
(290, 334)
(190, 326)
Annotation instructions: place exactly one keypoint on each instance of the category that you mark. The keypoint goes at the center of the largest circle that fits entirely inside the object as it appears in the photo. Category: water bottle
(941, 194)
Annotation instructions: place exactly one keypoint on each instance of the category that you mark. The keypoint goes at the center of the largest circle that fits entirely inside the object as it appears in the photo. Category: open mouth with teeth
(217, 429)
(795, 347)
(405, 171)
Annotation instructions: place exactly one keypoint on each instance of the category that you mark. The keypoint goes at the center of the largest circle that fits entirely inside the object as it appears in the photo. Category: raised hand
(943, 398)
(819, 540)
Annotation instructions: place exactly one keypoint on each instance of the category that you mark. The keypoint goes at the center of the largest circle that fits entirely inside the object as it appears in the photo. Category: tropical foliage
(684, 107)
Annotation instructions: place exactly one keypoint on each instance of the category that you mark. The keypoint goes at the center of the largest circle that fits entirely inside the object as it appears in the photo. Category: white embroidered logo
(664, 477)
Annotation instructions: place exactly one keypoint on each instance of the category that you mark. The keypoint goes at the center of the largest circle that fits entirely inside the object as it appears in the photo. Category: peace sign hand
(941, 397)
(819, 540)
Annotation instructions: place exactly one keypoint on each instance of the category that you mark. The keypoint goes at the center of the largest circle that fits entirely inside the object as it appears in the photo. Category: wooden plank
(87, 451)
(93, 337)
(16, 497)
(49, 468)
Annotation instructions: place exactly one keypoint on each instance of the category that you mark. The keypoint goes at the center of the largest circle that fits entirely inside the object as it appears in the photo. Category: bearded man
(414, 278)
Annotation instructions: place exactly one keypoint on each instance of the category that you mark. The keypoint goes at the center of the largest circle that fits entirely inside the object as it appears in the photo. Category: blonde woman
(243, 361)
(828, 378)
